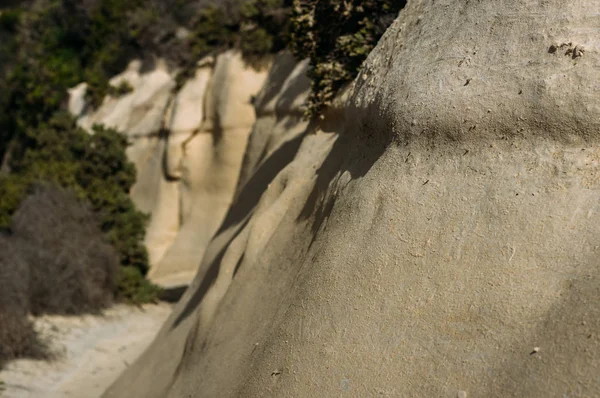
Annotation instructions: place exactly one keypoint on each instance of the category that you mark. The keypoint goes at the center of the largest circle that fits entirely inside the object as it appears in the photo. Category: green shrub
(264, 28)
(122, 89)
(9, 19)
(135, 288)
(337, 36)
(212, 31)
(258, 29)
(12, 192)
(61, 43)
(96, 90)
(95, 167)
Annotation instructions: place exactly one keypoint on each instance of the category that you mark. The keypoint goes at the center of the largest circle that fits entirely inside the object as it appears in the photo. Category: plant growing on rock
(337, 36)
(258, 28)
(122, 89)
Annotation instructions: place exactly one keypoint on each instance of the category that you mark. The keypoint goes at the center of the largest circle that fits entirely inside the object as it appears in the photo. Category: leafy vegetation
(122, 89)
(59, 250)
(96, 169)
(61, 43)
(258, 28)
(337, 36)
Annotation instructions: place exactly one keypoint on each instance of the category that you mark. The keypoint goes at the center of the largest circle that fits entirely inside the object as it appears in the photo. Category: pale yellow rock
(164, 222)
(140, 115)
(148, 152)
(185, 116)
(210, 164)
(182, 119)
(77, 103)
(188, 111)
(140, 112)
(423, 240)
(187, 147)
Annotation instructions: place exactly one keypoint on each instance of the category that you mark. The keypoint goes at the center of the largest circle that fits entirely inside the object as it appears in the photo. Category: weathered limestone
(187, 147)
(425, 238)
(278, 133)
(210, 165)
(279, 112)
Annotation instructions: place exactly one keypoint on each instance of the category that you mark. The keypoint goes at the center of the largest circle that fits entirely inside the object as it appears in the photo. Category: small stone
(461, 394)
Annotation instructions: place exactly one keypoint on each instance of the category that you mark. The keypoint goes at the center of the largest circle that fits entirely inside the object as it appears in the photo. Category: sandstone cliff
(435, 235)
(188, 149)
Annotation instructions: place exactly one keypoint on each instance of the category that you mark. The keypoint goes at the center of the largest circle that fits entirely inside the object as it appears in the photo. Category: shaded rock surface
(436, 235)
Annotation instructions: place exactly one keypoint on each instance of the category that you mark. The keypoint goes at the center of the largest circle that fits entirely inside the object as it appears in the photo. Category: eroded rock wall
(275, 140)
(435, 236)
(188, 149)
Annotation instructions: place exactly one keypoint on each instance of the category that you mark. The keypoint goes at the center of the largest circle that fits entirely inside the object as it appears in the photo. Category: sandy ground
(91, 352)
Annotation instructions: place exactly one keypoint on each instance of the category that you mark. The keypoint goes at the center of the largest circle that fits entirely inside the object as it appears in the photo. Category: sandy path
(92, 352)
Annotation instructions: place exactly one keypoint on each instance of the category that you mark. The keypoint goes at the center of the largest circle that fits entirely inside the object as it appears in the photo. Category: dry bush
(55, 261)
(14, 278)
(17, 336)
(72, 269)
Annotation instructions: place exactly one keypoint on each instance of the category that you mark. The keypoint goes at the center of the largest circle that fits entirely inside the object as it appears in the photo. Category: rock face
(436, 235)
(188, 149)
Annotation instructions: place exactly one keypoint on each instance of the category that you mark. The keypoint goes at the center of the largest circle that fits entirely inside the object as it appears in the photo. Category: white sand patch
(91, 352)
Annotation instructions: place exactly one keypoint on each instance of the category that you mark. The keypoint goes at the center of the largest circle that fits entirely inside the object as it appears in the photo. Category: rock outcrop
(188, 149)
(436, 235)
